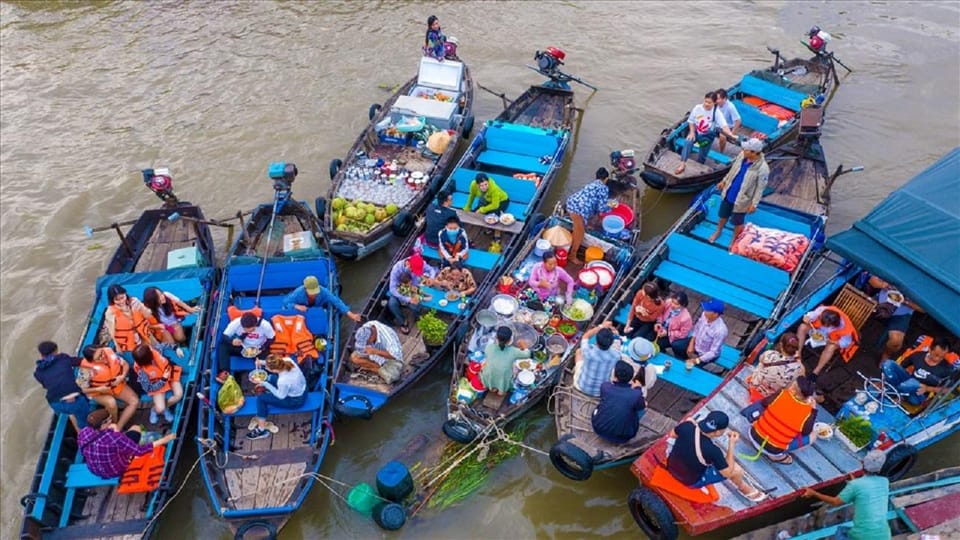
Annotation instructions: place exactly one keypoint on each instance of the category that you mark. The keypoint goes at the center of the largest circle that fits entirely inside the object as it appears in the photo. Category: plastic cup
(667, 364)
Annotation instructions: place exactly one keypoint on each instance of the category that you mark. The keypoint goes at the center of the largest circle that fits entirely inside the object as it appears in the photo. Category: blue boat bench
(312, 404)
(696, 380)
(517, 149)
(753, 118)
(478, 258)
(763, 217)
(774, 93)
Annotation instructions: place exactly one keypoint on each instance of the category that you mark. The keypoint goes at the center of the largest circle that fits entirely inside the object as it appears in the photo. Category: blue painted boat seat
(184, 289)
(713, 154)
(769, 91)
(317, 318)
(695, 380)
(765, 216)
(477, 258)
(284, 275)
(241, 364)
(752, 118)
(519, 210)
(716, 261)
(717, 288)
(509, 139)
(313, 402)
(521, 191)
(729, 357)
(514, 162)
(80, 477)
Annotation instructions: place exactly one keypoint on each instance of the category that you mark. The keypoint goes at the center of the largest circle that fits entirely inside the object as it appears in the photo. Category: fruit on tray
(359, 216)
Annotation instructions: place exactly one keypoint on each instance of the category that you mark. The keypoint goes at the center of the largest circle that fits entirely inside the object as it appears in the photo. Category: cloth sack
(390, 371)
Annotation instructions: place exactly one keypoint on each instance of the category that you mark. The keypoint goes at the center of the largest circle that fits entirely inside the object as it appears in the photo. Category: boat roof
(911, 239)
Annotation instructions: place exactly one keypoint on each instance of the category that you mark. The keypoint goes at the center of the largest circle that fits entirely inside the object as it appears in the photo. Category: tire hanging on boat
(345, 250)
(259, 527)
(899, 461)
(402, 224)
(654, 180)
(320, 205)
(571, 460)
(345, 407)
(459, 431)
(652, 514)
(335, 165)
(467, 126)
(372, 112)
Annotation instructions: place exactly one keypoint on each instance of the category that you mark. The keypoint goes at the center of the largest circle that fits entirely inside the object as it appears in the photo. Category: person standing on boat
(108, 382)
(157, 376)
(675, 322)
(589, 201)
(126, 320)
(704, 124)
(594, 362)
(420, 272)
(730, 114)
(437, 216)
(290, 391)
(499, 356)
(54, 372)
(248, 331)
(435, 43)
(108, 452)
(695, 461)
(898, 318)
(786, 420)
(545, 278)
(705, 342)
(828, 327)
(312, 294)
(776, 368)
(869, 496)
(167, 314)
(742, 188)
(493, 199)
(617, 416)
(645, 311)
(453, 244)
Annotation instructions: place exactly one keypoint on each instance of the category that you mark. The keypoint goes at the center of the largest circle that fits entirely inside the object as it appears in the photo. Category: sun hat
(753, 145)
(640, 350)
(311, 285)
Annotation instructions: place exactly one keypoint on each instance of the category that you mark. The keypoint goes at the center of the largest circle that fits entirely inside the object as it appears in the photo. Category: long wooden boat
(171, 248)
(472, 414)
(771, 106)
(530, 139)
(440, 97)
(929, 503)
(796, 200)
(256, 485)
(914, 262)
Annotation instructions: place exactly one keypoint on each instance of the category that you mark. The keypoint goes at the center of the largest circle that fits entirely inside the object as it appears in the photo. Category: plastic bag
(438, 142)
(390, 371)
(230, 396)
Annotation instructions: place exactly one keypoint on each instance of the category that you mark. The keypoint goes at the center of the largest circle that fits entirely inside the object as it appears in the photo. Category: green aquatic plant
(857, 429)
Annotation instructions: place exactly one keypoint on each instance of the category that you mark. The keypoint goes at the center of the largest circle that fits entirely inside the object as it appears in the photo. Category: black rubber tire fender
(459, 431)
(654, 180)
(335, 165)
(900, 459)
(373, 110)
(269, 528)
(571, 460)
(320, 205)
(467, 126)
(345, 250)
(345, 407)
(652, 514)
(402, 224)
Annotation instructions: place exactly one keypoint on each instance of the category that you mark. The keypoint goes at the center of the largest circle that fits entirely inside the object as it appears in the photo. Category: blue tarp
(912, 239)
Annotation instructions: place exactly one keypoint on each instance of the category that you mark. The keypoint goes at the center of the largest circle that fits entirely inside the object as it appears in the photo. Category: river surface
(92, 93)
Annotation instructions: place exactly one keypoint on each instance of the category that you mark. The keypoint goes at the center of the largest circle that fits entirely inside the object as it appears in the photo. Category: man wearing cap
(248, 331)
(421, 273)
(594, 362)
(742, 188)
(694, 460)
(869, 495)
(617, 417)
(312, 294)
(705, 341)
(108, 452)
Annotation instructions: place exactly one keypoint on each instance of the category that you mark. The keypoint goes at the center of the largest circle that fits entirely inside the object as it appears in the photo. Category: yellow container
(593, 253)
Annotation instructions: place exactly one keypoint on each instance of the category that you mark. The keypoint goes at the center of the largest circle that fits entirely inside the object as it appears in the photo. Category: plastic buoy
(394, 481)
(362, 498)
(389, 516)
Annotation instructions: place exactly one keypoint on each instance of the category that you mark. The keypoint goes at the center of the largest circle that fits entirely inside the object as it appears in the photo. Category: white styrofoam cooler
(446, 75)
(438, 113)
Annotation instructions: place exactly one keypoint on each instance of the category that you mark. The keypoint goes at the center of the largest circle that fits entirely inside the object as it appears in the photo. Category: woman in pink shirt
(675, 322)
(546, 276)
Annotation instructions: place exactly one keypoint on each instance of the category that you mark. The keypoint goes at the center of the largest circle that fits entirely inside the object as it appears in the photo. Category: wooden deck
(167, 236)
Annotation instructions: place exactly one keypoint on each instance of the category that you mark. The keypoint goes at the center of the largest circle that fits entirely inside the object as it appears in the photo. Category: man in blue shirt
(312, 294)
(594, 361)
(617, 416)
(742, 188)
(437, 215)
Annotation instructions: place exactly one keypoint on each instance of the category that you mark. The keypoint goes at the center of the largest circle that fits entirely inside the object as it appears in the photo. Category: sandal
(786, 460)
(405, 330)
(755, 496)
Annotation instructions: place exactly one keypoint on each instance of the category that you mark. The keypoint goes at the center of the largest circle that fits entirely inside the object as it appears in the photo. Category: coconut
(338, 203)
(391, 209)
(370, 219)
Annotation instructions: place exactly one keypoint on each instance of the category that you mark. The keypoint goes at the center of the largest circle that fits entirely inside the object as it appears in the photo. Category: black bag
(753, 411)
(884, 310)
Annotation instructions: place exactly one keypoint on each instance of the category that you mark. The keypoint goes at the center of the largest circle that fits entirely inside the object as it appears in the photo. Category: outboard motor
(160, 182)
(623, 168)
(549, 61)
(283, 174)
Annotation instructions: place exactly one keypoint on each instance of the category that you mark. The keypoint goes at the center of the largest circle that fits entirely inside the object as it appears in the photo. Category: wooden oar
(90, 230)
(506, 101)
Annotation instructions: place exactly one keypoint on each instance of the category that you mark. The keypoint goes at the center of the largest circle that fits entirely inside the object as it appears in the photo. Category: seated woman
(435, 44)
(776, 369)
(674, 322)
(786, 421)
(157, 376)
(126, 320)
(458, 280)
(617, 416)
(546, 276)
(493, 199)
(453, 245)
(167, 314)
(290, 391)
(645, 310)
(103, 378)
(497, 372)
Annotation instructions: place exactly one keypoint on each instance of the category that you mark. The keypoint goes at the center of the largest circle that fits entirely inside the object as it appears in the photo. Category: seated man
(931, 372)
(108, 452)
(457, 280)
(786, 421)
(493, 199)
(312, 294)
(696, 462)
(420, 272)
(436, 216)
(374, 345)
(617, 417)
(706, 339)
(830, 328)
(595, 361)
(454, 246)
(245, 332)
(898, 320)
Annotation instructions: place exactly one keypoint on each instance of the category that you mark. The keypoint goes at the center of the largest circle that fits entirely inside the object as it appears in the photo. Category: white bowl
(526, 377)
(823, 430)
(443, 302)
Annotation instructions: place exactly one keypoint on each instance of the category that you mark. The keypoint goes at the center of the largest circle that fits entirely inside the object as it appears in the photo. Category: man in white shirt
(730, 114)
(705, 123)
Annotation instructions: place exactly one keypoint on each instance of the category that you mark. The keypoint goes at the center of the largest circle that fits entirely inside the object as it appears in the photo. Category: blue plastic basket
(612, 225)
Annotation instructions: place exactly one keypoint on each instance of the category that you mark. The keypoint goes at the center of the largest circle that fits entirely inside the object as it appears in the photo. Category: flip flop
(405, 330)
(787, 460)
(755, 496)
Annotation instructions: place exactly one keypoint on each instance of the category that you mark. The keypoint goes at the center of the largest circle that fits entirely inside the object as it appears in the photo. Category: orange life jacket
(924, 346)
(782, 421)
(846, 329)
(126, 329)
(233, 312)
(156, 370)
(293, 337)
(144, 472)
(103, 374)
(178, 312)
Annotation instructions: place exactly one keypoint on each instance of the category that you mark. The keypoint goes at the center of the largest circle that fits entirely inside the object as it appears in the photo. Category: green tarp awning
(912, 239)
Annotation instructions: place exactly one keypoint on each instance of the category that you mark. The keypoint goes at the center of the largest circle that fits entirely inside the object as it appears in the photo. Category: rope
(174, 496)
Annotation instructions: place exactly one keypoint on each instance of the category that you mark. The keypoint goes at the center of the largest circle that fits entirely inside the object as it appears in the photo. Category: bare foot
(713, 237)
(679, 170)
(576, 262)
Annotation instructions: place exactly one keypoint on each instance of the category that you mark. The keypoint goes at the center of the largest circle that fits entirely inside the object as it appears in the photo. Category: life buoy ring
(259, 528)
(459, 431)
(374, 109)
(654, 180)
(571, 460)
(652, 514)
(467, 126)
(345, 407)
(402, 224)
(899, 461)
(335, 165)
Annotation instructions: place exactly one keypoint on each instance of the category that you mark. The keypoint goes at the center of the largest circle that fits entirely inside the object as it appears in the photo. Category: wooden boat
(929, 504)
(171, 248)
(916, 263)
(255, 485)
(530, 139)
(771, 103)
(796, 200)
(440, 97)
(472, 413)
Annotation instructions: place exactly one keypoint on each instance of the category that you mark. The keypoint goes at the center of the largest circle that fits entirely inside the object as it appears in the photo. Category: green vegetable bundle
(433, 328)
(856, 428)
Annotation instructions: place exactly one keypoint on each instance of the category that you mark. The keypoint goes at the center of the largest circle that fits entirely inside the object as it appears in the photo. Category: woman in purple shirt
(546, 276)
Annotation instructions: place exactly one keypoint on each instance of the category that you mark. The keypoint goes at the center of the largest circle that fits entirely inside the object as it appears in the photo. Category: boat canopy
(912, 239)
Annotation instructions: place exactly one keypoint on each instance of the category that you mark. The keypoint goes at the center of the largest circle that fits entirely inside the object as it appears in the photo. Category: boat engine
(818, 39)
(283, 174)
(624, 166)
(549, 61)
(160, 182)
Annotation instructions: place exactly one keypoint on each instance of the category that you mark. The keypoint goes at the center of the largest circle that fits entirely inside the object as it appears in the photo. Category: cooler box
(298, 241)
(437, 113)
(188, 257)
(446, 75)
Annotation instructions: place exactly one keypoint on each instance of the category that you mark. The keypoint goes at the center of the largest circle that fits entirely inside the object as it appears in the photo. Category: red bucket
(561, 256)
(623, 211)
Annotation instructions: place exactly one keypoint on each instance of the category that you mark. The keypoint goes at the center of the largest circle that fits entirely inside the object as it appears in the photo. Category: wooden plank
(265, 481)
(839, 455)
(923, 496)
(248, 483)
(234, 478)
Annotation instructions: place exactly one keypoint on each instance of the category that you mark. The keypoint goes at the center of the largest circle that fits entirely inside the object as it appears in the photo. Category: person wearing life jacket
(166, 316)
(312, 294)
(107, 375)
(828, 327)
(157, 376)
(924, 370)
(786, 421)
(108, 452)
(126, 320)
(294, 338)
